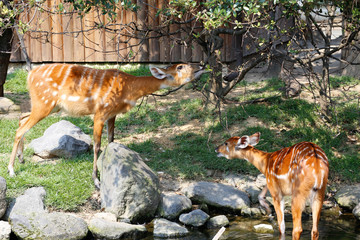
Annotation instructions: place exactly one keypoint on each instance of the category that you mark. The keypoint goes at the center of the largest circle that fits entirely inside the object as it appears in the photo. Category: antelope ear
(254, 139)
(158, 73)
(242, 143)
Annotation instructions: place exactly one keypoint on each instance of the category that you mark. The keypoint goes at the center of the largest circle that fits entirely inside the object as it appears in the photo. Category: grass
(188, 151)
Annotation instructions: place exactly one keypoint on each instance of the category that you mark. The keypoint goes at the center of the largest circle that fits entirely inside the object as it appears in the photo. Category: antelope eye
(179, 67)
(226, 144)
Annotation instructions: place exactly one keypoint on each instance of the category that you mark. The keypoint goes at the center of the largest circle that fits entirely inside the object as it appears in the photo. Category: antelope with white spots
(83, 91)
(300, 171)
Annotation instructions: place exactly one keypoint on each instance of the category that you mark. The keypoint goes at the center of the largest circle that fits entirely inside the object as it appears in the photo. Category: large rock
(30, 220)
(3, 203)
(105, 229)
(49, 226)
(218, 195)
(165, 229)
(6, 106)
(32, 201)
(249, 184)
(129, 188)
(172, 205)
(62, 139)
(348, 196)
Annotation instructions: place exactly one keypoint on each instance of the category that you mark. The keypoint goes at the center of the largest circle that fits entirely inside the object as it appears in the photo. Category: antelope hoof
(21, 159)
(97, 183)
(11, 172)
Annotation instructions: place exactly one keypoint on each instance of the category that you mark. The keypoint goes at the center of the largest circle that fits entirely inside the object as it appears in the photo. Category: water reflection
(331, 227)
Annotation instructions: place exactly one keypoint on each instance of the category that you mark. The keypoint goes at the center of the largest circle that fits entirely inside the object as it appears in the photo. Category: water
(331, 227)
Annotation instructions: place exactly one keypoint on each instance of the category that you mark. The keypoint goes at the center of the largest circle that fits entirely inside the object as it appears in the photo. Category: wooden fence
(83, 42)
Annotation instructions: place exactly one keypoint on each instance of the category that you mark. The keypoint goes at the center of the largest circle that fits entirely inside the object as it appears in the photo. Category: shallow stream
(343, 227)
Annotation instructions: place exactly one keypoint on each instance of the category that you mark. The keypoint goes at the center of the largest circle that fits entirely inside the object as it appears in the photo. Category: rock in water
(129, 188)
(218, 195)
(172, 205)
(165, 229)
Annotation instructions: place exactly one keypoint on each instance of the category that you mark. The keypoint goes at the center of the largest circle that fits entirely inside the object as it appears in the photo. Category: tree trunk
(5, 52)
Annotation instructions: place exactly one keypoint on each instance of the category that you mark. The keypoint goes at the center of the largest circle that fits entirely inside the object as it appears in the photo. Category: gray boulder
(105, 229)
(217, 222)
(356, 212)
(48, 226)
(218, 195)
(195, 218)
(249, 184)
(30, 220)
(62, 139)
(165, 229)
(6, 106)
(172, 205)
(32, 201)
(348, 196)
(5, 230)
(3, 203)
(129, 188)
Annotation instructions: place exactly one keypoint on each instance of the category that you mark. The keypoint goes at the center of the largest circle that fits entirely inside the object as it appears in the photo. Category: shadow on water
(331, 227)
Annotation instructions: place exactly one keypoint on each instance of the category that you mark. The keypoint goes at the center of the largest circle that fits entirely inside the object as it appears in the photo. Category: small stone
(6, 106)
(5, 230)
(104, 229)
(264, 228)
(195, 218)
(166, 229)
(217, 222)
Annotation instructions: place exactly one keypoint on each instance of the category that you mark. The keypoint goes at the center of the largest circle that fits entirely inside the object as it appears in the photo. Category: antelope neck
(145, 85)
(258, 158)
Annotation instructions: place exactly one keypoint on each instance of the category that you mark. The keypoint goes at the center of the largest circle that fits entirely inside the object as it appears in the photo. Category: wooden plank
(154, 43)
(68, 37)
(110, 41)
(142, 20)
(89, 37)
(45, 25)
(57, 38)
(175, 48)
(99, 38)
(78, 25)
(132, 48)
(120, 40)
(164, 42)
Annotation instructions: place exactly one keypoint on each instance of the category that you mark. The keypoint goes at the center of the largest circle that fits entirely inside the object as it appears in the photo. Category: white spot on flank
(63, 97)
(54, 93)
(47, 90)
(106, 104)
(86, 99)
(55, 85)
(48, 79)
(73, 98)
(53, 103)
(42, 98)
(37, 84)
(46, 101)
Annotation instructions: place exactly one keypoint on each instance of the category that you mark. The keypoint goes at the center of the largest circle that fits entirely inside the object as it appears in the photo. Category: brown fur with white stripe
(82, 91)
(300, 171)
